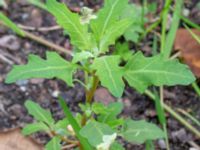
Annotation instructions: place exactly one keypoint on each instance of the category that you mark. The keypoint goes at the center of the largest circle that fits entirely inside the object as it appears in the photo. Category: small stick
(68, 146)
(3, 58)
(47, 43)
(192, 143)
(41, 29)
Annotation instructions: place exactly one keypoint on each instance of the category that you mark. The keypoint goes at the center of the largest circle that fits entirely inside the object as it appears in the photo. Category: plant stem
(65, 139)
(90, 93)
(175, 115)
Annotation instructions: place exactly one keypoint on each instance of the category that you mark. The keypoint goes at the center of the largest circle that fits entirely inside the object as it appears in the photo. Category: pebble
(162, 144)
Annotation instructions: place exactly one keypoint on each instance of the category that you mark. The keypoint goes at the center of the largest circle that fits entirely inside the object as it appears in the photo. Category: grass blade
(74, 124)
(172, 32)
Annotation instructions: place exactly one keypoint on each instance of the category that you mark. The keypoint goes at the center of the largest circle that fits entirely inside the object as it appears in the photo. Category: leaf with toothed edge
(53, 66)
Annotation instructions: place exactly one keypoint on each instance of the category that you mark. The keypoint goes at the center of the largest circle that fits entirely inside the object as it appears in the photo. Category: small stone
(102, 95)
(162, 144)
(192, 148)
(23, 88)
(10, 42)
(55, 94)
(16, 110)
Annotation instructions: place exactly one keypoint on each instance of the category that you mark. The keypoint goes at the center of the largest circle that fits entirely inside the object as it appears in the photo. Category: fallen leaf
(189, 48)
(14, 140)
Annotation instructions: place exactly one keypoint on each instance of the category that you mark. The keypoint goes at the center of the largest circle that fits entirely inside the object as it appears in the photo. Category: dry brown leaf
(190, 49)
(14, 140)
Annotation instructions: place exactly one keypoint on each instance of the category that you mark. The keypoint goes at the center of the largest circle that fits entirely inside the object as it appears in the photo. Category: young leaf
(82, 56)
(122, 49)
(141, 131)
(71, 22)
(35, 127)
(11, 25)
(141, 72)
(112, 33)
(135, 13)
(107, 16)
(111, 113)
(39, 113)
(53, 66)
(61, 127)
(110, 74)
(54, 144)
(95, 131)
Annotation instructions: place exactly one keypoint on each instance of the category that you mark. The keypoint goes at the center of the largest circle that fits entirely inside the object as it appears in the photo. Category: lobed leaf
(141, 72)
(141, 131)
(112, 33)
(53, 66)
(107, 16)
(71, 23)
(39, 113)
(110, 74)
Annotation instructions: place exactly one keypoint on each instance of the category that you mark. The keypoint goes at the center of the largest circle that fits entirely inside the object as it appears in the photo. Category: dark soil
(12, 97)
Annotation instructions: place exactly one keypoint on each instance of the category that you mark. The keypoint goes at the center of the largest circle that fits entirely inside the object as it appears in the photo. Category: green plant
(98, 126)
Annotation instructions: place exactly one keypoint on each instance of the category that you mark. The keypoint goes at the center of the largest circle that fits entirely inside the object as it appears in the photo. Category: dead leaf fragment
(14, 140)
(190, 49)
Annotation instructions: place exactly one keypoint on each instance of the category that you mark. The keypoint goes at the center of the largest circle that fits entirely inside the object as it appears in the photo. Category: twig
(175, 115)
(193, 144)
(47, 43)
(68, 146)
(41, 29)
(3, 58)
(44, 42)
(176, 55)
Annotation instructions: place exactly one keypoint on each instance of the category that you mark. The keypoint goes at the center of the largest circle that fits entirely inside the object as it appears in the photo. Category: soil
(45, 92)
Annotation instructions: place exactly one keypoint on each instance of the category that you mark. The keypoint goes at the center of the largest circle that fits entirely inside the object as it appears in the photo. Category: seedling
(98, 126)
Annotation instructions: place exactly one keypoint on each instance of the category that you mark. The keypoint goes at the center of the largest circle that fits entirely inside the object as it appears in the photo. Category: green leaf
(61, 127)
(78, 57)
(141, 131)
(141, 72)
(112, 33)
(122, 49)
(112, 110)
(110, 74)
(95, 131)
(71, 22)
(74, 124)
(39, 113)
(11, 25)
(35, 127)
(54, 144)
(107, 16)
(116, 146)
(134, 12)
(53, 66)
